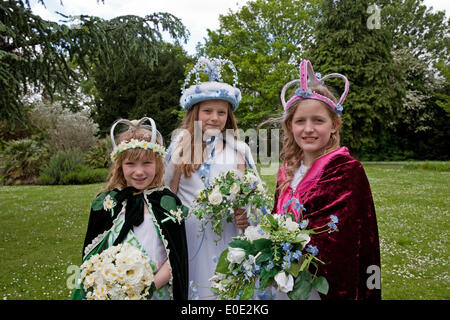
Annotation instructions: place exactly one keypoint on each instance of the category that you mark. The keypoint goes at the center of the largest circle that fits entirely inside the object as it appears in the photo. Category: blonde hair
(291, 153)
(189, 165)
(116, 178)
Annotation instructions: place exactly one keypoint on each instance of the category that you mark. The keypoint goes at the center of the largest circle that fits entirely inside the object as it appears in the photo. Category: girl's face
(139, 173)
(213, 114)
(312, 127)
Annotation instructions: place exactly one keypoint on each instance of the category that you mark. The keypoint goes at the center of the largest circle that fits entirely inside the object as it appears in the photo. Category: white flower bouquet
(228, 192)
(275, 252)
(120, 272)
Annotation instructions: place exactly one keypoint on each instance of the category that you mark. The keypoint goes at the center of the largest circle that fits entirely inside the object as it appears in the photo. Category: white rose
(235, 255)
(285, 283)
(290, 225)
(234, 190)
(253, 233)
(260, 188)
(304, 238)
(251, 178)
(134, 274)
(215, 197)
(109, 273)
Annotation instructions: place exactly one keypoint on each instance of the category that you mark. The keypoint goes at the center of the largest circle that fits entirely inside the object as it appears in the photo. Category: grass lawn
(42, 230)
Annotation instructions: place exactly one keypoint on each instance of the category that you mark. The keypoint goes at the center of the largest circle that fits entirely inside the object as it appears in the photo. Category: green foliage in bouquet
(274, 252)
(217, 202)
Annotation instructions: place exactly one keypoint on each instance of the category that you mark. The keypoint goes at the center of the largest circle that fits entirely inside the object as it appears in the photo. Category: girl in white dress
(205, 145)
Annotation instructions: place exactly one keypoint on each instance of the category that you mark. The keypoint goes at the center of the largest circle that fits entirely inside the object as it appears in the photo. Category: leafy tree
(265, 40)
(141, 90)
(443, 93)
(35, 53)
(415, 27)
(344, 43)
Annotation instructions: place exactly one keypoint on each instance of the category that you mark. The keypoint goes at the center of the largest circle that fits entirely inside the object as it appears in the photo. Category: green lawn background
(42, 230)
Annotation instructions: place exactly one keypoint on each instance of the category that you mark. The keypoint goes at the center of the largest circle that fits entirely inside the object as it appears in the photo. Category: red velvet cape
(336, 184)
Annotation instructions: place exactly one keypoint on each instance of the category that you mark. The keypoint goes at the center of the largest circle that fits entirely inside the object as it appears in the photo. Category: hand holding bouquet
(228, 192)
(275, 252)
(120, 272)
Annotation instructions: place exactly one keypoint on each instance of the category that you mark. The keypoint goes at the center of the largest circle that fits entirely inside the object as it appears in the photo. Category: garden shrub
(20, 160)
(69, 167)
(65, 129)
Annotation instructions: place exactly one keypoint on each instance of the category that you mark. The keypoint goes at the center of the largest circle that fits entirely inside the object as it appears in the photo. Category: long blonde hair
(291, 153)
(116, 178)
(190, 165)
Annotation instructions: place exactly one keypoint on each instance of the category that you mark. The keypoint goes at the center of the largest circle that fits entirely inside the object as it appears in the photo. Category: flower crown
(308, 80)
(215, 88)
(134, 143)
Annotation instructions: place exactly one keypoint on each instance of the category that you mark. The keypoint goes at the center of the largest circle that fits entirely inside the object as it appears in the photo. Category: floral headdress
(155, 144)
(308, 80)
(215, 88)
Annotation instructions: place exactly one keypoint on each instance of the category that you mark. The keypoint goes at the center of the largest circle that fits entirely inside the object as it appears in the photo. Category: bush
(68, 167)
(61, 164)
(20, 160)
(434, 166)
(100, 155)
(86, 175)
(65, 130)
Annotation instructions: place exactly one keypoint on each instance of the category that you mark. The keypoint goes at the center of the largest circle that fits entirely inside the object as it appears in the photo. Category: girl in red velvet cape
(328, 181)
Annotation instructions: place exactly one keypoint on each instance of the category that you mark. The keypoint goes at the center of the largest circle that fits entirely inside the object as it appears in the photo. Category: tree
(344, 43)
(265, 40)
(35, 54)
(415, 27)
(141, 90)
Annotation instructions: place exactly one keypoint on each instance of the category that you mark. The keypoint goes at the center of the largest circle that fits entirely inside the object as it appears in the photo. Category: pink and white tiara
(308, 80)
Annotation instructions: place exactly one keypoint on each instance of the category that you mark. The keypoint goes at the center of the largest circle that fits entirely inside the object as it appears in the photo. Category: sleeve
(280, 178)
(175, 234)
(344, 191)
(99, 222)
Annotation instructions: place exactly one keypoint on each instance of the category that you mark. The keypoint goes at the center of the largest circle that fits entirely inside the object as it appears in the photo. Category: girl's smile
(213, 114)
(138, 173)
(312, 127)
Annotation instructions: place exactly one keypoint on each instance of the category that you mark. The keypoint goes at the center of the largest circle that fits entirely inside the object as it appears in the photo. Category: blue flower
(286, 265)
(333, 227)
(303, 224)
(286, 246)
(297, 255)
(334, 219)
(302, 93)
(269, 266)
(223, 93)
(312, 249)
(318, 75)
(339, 108)
(194, 295)
(265, 295)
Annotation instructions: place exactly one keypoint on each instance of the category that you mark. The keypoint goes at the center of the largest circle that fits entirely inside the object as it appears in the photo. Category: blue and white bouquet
(231, 190)
(274, 252)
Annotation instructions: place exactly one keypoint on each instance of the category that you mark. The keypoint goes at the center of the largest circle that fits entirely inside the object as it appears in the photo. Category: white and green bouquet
(274, 252)
(121, 272)
(229, 191)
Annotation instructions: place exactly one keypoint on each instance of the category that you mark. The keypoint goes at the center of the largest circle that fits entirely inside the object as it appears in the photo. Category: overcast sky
(196, 15)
